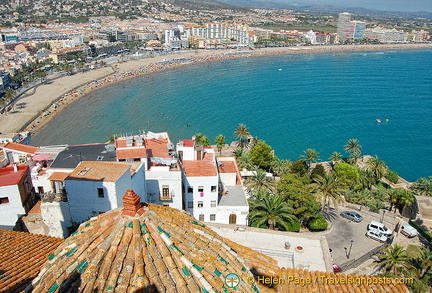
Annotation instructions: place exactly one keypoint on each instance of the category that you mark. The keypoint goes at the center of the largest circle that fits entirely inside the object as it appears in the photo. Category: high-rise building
(349, 30)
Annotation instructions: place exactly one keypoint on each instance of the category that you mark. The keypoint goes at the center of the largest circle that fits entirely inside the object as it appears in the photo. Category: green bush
(317, 223)
(294, 226)
(299, 167)
(393, 176)
(318, 170)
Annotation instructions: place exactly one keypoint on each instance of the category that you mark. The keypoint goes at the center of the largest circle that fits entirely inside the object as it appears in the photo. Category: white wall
(138, 183)
(10, 212)
(223, 213)
(84, 201)
(207, 182)
(158, 176)
(56, 216)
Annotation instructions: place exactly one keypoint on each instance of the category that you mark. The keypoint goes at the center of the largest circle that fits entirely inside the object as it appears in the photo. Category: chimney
(131, 204)
(15, 167)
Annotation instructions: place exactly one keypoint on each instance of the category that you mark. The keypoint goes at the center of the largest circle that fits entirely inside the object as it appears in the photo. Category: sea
(292, 102)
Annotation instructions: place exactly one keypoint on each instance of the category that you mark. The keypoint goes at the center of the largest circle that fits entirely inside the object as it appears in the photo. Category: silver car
(351, 215)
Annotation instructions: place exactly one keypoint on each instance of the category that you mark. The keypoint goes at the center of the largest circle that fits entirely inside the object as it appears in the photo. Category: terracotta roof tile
(199, 168)
(188, 142)
(58, 176)
(228, 167)
(166, 250)
(21, 258)
(98, 171)
(21, 147)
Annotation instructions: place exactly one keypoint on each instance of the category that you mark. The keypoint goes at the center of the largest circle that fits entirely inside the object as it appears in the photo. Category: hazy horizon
(388, 5)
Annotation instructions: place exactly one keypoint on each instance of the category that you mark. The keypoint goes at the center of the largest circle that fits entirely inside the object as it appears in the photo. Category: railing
(358, 261)
(50, 197)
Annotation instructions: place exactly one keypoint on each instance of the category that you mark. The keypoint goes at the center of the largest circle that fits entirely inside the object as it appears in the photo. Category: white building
(385, 35)
(162, 170)
(16, 195)
(97, 187)
(212, 188)
(18, 153)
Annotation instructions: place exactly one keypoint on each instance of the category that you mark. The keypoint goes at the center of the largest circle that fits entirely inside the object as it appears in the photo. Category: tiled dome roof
(153, 247)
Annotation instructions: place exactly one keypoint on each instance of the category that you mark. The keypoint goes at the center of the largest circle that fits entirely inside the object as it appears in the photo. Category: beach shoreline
(71, 88)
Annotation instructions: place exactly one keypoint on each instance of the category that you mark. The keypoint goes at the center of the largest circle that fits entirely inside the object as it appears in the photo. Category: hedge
(317, 223)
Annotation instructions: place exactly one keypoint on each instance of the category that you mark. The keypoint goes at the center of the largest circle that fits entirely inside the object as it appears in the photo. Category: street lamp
(349, 252)
(382, 218)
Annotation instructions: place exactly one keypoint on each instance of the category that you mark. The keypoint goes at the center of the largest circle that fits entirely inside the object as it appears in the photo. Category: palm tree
(242, 133)
(260, 183)
(394, 260)
(420, 270)
(220, 142)
(366, 179)
(328, 189)
(353, 147)
(202, 139)
(311, 155)
(359, 197)
(238, 152)
(335, 157)
(405, 198)
(280, 167)
(272, 211)
(423, 186)
(377, 167)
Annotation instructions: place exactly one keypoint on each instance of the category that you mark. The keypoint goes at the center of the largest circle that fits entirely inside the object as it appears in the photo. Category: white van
(408, 231)
(380, 227)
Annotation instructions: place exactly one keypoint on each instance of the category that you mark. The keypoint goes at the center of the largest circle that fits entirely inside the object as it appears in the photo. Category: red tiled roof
(10, 177)
(99, 171)
(188, 142)
(58, 176)
(21, 147)
(21, 258)
(152, 148)
(161, 249)
(199, 168)
(228, 167)
(131, 153)
(36, 209)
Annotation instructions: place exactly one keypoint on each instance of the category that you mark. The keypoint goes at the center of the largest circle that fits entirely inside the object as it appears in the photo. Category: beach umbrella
(41, 157)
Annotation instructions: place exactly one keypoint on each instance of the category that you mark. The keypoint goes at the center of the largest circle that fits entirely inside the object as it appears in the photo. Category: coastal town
(142, 213)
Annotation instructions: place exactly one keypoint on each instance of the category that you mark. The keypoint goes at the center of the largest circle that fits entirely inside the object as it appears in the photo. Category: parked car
(376, 235)
(380, 227)
(408, 230)
(351, 215)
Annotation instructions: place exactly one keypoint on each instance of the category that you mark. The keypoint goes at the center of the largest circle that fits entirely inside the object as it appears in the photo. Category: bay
(293, 102)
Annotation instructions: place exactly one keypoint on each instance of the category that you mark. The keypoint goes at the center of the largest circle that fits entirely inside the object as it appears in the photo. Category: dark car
(353, 216)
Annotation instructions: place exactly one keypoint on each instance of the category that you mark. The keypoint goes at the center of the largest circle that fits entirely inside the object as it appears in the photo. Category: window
(201, 191)
(100, 192)
(213, 189)
(190, 204)
(212, 217)
(213, 203)
(4, 200)
(201, 217)
(200, 204)
(190, 189)
(165, 191)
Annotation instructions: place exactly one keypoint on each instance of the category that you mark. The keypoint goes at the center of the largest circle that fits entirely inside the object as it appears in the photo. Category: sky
(389, 5)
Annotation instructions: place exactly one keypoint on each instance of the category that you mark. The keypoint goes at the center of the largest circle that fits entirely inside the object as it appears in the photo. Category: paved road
(339, 239)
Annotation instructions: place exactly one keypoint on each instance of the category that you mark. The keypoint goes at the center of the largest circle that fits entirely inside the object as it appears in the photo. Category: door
(233, 219)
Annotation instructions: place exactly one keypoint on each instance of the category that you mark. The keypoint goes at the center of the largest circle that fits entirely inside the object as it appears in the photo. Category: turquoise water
(292, 102)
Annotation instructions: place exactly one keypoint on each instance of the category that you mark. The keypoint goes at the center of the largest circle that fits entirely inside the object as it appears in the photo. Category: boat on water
(378, 120)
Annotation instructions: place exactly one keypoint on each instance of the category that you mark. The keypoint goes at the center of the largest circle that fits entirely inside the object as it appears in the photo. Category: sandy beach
(52, 98)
